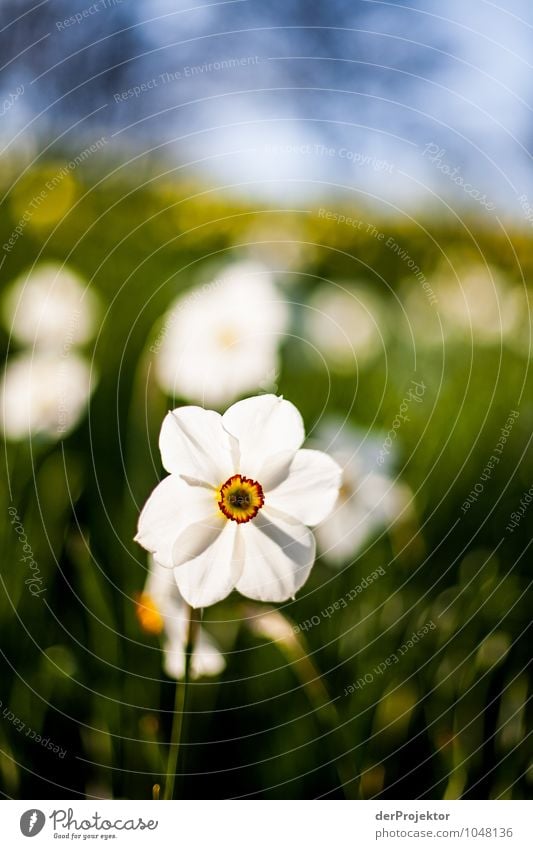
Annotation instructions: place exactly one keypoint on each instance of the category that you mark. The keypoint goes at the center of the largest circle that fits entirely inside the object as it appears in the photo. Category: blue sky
(285, 99)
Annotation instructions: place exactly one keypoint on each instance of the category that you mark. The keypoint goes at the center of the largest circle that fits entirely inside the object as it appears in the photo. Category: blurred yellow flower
(44, 195)
(148, 614)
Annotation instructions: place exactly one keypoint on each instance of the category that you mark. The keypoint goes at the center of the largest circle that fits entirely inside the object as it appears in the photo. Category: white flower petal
(174, 661)
(172, 506)
(265, 426)
(196, 538)
(311, 488)
(194, 443)
(275, 470)
(344, 533)
(355, 447)
(373, 503)
(213, 573)
(279, 553)
(207, 660)
(161, 586)
(44, 393)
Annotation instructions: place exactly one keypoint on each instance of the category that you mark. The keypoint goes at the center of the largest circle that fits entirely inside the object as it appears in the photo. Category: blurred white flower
(474, 302)
(272, 625)
(234, 511)
(369, 498)
(347, 327)
(479, 302)
(50, 308)
(280, 245)
(521, 339)
(421, 322)
(43, 394)
(161, 609)
(221, 340)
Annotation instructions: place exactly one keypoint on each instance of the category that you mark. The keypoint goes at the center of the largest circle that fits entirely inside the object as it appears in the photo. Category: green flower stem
(180, 707)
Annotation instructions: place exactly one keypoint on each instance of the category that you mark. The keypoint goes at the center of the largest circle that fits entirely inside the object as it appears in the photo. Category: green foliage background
(450, 719)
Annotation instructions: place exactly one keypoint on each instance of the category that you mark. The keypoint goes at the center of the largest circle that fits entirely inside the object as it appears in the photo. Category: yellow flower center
(227, 338)
(240, 499)
(345, 492)
(148, 614)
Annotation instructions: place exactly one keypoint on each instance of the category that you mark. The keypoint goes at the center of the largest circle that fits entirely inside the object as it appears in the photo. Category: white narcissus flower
(50, 308)
(521, 339)
(234, 511)
(465, 303)
(43, 394)
(161, 609)
(479, 303)
(221, 340)
(369, 498)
